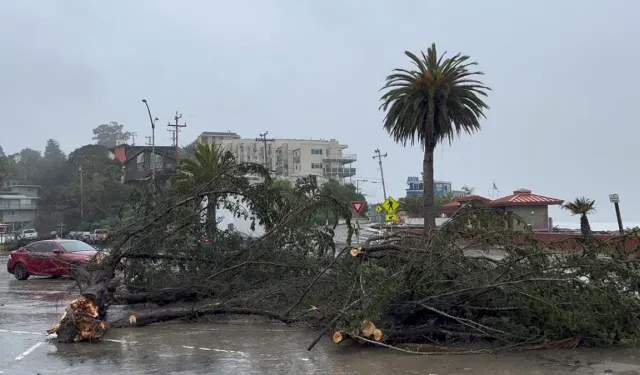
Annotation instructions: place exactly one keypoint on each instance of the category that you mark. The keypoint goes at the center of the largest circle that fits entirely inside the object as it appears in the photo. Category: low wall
(557, 241)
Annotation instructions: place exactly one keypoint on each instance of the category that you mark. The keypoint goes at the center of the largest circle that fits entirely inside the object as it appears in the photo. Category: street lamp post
(153, 142)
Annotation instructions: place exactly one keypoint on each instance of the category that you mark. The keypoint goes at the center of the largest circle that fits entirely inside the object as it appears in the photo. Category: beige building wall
(289, 157)
(536, 216)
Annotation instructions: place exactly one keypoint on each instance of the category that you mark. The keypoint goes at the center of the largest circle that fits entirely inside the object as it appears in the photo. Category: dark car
(49, 258)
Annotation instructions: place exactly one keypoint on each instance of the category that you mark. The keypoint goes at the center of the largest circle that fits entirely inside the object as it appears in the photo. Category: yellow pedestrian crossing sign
(379, 208)
(391, 217)
(390, 205)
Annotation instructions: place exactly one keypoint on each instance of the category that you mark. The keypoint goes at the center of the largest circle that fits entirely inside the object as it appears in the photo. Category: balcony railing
(343, 159)
(339, 172)
(17, 206)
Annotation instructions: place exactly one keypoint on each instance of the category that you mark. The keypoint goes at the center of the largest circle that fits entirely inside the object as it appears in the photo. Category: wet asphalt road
(28, 308)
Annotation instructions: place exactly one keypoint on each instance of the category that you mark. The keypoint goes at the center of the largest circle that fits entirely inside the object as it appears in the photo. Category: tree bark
(427, 180)
(585, 228)
(189, 312)
(212, 220)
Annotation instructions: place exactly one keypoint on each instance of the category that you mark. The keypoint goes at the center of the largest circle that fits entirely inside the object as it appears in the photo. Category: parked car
(27, 234)
(98, 235)
(49, 258)
(84, 236)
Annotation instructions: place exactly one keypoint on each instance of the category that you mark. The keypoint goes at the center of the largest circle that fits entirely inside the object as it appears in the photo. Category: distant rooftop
(232, 135)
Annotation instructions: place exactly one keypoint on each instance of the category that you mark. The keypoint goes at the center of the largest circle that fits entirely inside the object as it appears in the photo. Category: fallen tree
(434, 292)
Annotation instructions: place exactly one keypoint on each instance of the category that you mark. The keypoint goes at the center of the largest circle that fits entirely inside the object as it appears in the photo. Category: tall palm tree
(435, 102)
(582, 206)
(208, 167)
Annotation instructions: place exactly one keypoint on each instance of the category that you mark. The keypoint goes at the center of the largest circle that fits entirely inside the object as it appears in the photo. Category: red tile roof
(524, 197)
(467, 198)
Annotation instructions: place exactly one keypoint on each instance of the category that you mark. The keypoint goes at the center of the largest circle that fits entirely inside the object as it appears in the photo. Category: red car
(49, 258)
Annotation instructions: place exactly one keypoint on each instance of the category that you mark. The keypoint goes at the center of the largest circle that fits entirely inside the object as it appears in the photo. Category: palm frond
(439, 100)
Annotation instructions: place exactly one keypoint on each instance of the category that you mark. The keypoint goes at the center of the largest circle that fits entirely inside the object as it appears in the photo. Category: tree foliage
(582, 206)
(209, 167)
(59, 179)
(413, 206)
(109, 134)
(435, 102)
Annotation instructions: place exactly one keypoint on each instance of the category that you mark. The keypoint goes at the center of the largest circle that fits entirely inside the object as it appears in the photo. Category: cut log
(368, 328)
(337, 337)
(377, 334)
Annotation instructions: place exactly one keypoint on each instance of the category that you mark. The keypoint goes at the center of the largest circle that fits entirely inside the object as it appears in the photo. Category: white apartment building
(289, 158)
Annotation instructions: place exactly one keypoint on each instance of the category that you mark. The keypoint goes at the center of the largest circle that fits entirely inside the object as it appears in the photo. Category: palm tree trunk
(212, 220)
(585, 228)
(427, 181)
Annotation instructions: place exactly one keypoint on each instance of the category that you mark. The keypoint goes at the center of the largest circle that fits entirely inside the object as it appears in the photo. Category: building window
(296, 153)
(316, 165)
(316, 151)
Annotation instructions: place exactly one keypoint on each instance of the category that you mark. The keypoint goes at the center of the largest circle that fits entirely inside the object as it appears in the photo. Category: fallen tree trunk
(167, 314)
(160, 297)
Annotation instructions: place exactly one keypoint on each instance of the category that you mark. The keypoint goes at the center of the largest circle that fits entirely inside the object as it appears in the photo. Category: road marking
(214, 350)
(121, 341)
(28, 351)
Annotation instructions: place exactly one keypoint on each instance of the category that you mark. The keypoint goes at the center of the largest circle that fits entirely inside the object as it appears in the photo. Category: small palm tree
(208, 167)
(436, 102)
(582, 206)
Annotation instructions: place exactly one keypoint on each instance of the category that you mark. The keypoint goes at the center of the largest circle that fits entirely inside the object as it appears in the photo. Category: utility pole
(379, 156)
(133, 138)
(152, 162)
(177, 127)
(173, 137)
(148, 137)
(263, 138)
(358, 181)
(81, 196)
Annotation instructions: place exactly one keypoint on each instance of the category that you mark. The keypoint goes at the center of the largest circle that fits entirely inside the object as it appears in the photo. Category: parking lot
(28, 308)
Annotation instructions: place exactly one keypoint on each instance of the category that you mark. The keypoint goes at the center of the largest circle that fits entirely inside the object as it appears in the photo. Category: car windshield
(29, 231)
(101, 231)
(74, 246)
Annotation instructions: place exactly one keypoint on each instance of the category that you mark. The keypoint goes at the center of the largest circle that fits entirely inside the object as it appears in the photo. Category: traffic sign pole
(615, 199)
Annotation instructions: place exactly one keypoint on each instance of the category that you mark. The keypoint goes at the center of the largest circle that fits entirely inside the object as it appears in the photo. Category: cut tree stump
(80, 321)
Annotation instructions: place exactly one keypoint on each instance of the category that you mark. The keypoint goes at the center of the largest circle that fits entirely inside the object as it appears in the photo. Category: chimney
(120, 142)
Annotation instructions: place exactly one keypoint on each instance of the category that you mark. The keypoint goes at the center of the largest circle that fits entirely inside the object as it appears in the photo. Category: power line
(358, 181)
(379, 156)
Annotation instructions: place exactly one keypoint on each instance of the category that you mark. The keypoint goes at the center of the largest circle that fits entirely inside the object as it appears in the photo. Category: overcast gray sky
(562, 121)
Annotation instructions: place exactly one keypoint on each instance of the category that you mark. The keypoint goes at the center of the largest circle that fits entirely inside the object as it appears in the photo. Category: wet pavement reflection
(28, 308)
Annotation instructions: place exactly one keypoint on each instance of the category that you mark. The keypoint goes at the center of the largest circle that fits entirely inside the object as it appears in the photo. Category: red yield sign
(358, 206)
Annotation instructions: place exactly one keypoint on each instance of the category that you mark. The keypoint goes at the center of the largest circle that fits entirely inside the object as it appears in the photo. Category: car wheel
(20, 271)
